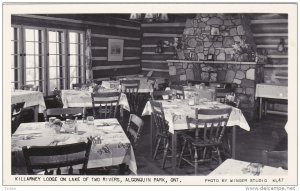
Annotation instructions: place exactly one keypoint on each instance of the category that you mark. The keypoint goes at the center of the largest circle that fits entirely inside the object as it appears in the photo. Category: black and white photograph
(184, 97)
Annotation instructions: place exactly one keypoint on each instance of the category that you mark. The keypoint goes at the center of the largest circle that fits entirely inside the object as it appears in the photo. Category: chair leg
(219, 155)
(156, 147)
(190, 150)
(165, 154)
(196, 160)
(181, 154)
(204, 153)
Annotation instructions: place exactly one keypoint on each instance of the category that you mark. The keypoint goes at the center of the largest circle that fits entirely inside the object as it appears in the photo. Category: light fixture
(159, 47)
(280, 47)
(149, 17)
(135, 16)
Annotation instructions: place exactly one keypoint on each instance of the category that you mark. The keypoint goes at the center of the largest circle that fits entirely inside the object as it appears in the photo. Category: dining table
(266, 91)
(82, 98)
(110, 145)
(34, 99)
(176, 111)
(232, 167)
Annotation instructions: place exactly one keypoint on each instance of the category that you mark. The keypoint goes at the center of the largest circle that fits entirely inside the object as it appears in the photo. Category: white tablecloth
(275, 91)
(177, 110)
(237, 168)
(115, 147)
(31, 98)
(77, 98)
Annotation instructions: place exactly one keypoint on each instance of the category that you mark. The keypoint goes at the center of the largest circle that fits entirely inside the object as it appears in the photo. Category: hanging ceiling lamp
(135, 16)
(149, 17)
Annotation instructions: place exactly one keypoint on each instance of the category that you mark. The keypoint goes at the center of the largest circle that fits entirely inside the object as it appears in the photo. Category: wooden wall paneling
(20, 20)
(267, 30)
(116, 72)
(106, 63)
(153, 33)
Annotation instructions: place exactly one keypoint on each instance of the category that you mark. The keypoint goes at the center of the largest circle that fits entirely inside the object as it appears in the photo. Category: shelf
(211, 62)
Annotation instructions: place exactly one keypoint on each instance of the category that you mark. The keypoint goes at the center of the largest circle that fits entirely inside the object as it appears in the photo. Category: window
(49, 58)
(76, 57)
(56, 59)
(16, 74)
(34, 57)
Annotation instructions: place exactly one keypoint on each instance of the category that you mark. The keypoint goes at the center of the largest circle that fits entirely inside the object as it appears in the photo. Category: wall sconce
(281, 47)
(159, 47)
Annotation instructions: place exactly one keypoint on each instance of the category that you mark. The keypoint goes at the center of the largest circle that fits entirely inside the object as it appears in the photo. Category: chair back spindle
(105, 104)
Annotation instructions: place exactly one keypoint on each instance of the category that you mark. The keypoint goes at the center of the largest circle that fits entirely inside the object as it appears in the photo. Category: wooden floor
(267, 134)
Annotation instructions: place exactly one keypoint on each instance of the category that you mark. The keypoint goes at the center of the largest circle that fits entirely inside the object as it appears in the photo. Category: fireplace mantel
(211, 62)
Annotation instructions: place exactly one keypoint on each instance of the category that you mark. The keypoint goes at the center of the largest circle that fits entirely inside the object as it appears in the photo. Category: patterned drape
(88, 57)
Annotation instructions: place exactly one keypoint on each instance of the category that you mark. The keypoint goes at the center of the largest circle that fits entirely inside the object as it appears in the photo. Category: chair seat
(199, 142)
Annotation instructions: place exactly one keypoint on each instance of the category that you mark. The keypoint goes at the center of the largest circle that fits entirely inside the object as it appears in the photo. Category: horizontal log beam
(269, 46)
(124, 58)
(155, 61)
(269, 34)
(163, 25)
(277, 56)
(267, 21)
(98, 48)
(275, 66)
(157, 70)
(78, 21)
(116, 37)
(161, 35)
(115, 67)
(158, 53)
(132, 48)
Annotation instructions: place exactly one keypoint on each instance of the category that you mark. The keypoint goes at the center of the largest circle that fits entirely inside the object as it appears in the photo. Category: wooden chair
(162, 130)
(210, 137)
(64, 113)
(159, 95)
(55, 153)
(135, 125)
(131, 88)
(179, 91)
(105, 104)
(79, 86)
(275, 158)
(16, 115)
(54, 100)
(30, 87)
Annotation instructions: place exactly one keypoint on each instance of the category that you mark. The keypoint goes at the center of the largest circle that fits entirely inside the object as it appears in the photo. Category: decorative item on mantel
(178, 53)
(242, 52)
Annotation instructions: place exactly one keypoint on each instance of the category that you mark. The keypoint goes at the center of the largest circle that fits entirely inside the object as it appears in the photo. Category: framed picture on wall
(115, 49)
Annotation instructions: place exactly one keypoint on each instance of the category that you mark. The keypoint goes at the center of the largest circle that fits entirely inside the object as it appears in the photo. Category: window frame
(66, 77)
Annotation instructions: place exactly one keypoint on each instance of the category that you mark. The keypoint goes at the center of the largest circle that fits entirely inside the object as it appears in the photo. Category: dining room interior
(149, 94)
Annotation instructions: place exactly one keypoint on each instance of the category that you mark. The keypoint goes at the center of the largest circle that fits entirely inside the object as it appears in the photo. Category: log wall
(102, 29)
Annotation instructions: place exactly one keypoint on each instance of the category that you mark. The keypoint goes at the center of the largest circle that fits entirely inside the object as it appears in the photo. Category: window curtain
(88, 57)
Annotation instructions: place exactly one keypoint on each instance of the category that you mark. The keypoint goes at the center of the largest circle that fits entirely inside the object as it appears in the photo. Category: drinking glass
(90, 120)
(51, 120)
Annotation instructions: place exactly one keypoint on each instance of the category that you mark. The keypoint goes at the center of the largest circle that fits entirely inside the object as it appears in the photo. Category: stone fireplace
(208, 53)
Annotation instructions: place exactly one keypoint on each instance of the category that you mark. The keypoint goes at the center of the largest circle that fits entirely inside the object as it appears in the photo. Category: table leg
(266, 107)
(36, 113)
(233, 147)
(174, 149)
(260, 108)
(151, 134)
